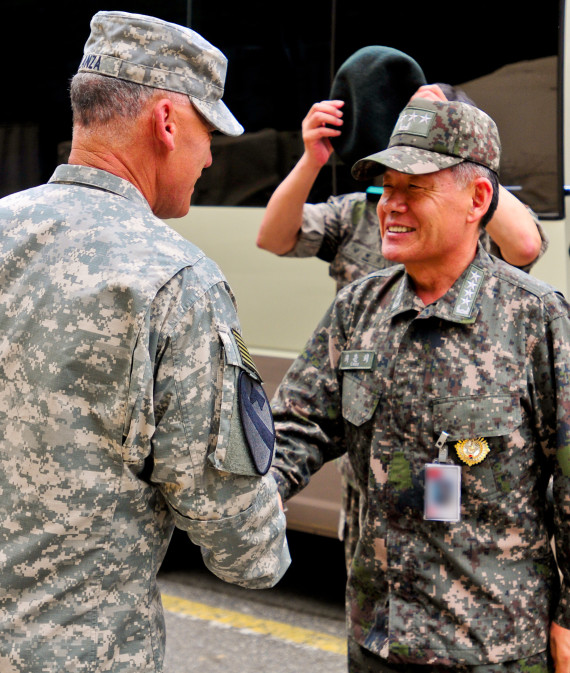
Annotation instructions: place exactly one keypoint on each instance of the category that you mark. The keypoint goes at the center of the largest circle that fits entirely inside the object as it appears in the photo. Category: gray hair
(467, 171)
(98, 100)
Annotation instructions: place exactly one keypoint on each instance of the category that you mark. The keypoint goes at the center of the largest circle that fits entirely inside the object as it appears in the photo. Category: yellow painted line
(238, 620)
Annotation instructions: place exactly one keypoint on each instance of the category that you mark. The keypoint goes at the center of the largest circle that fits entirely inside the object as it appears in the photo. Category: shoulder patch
(257, 421)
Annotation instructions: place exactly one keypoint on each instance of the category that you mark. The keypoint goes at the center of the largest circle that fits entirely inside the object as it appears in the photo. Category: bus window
(280, 65)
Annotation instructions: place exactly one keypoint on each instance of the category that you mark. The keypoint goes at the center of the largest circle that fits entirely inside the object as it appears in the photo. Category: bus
(282, 58)
(511, 63)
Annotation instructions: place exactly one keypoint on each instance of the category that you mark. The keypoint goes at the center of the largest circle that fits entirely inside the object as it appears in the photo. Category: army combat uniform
(124, 383)
(383, 377)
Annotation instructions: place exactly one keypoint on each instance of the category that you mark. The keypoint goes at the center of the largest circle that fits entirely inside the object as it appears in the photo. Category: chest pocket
(359, 400)
(494, 418)
(467, 417)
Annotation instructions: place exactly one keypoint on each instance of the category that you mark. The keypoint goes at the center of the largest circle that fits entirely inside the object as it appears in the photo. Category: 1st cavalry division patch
(257, 421)
(255, 410)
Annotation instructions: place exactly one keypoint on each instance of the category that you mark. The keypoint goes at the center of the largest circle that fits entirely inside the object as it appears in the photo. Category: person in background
(129, 403)
(446, 380)
(369, 91)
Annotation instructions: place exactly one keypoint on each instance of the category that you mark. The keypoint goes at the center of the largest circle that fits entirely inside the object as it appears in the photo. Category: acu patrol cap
(432, 135)
(163, 55)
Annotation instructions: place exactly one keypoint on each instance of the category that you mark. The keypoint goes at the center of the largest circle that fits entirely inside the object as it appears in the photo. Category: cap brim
(404, 159)
(219, 116)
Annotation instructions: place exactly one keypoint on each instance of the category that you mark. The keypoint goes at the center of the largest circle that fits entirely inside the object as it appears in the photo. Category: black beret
(376, 84)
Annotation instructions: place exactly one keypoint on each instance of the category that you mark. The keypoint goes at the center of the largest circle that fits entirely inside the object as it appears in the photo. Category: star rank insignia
(472, 451)
(469, 291)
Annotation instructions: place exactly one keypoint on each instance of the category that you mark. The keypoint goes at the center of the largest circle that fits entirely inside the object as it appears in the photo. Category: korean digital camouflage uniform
(119, 418)
(381, 378)
(345, 232)
(376, 82)
(384, 376)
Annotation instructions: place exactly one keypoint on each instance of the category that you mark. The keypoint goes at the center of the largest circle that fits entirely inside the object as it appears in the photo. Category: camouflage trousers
(361, 660)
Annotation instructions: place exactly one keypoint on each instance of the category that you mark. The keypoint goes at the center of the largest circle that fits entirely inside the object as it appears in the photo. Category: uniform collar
(459, 304)
(94, 177)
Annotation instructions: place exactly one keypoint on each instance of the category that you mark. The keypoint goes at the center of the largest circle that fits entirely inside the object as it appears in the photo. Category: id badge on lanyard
(442, 495)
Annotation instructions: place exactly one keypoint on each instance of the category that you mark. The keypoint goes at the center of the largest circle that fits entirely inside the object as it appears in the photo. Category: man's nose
(394, 201)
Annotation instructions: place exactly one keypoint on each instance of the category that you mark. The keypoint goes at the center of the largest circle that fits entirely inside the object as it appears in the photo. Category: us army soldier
(446, 380)
(129, 403)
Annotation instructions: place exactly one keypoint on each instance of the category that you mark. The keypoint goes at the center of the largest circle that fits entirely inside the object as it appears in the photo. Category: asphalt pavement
(215, 627)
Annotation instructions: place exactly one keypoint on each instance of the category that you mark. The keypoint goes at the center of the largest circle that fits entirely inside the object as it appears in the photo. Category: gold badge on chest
(472, 451)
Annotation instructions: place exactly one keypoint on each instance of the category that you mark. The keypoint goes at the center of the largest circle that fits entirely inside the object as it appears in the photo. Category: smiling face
(426, 220)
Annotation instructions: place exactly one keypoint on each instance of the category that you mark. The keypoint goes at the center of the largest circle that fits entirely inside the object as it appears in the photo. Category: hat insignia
(472, 451)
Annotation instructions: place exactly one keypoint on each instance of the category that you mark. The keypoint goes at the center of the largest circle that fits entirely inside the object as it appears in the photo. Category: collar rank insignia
(469, 291)
(472, 451)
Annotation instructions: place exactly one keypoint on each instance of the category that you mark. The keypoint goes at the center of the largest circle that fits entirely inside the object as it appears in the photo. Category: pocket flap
(358, 401)
(487, 416)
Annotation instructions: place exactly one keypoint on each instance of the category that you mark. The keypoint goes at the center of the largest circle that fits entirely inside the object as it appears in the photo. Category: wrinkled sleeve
(494, 249)
(307, 410)
(551, 382)
(202, 461)
(320, 231)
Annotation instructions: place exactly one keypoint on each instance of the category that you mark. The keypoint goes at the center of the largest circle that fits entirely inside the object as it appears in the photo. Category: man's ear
(164, 123)
(482, 194)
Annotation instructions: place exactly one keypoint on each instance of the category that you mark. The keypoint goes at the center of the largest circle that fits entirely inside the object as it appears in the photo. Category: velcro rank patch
(415, 121)
(469, 291)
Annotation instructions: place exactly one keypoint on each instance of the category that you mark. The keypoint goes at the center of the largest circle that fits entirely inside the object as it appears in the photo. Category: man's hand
(315, 132)
(430, 92)
(283, 217)
(560, 648)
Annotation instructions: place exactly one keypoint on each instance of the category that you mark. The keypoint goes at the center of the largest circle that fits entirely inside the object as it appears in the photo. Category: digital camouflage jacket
(381, 378)
(118, 419)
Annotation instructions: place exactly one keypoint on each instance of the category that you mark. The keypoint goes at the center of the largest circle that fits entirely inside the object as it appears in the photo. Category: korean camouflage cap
(155, 53)
(430, 136)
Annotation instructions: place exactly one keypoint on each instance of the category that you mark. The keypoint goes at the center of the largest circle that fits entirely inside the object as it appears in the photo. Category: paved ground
(214, 627)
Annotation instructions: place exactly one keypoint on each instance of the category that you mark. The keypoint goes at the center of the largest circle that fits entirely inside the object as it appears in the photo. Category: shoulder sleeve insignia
(257, 421)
